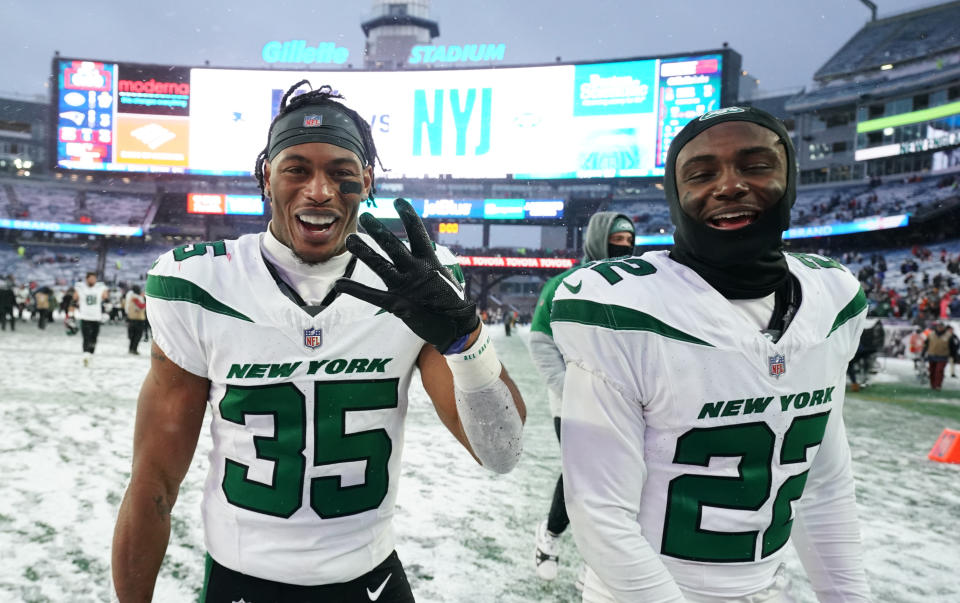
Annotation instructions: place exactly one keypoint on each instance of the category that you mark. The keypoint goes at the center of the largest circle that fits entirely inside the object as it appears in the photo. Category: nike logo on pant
(376, 594)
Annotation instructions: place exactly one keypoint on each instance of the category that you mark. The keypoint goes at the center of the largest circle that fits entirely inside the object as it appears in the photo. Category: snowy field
(465, 535)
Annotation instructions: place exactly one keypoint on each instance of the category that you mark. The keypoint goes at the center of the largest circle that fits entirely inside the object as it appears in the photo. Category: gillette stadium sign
(469, 53)
(298, 51)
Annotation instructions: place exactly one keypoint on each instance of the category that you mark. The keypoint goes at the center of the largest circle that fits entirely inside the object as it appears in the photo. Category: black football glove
(420, 290)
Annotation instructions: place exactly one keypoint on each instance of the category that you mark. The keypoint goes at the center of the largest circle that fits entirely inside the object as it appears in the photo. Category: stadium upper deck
(887, 102)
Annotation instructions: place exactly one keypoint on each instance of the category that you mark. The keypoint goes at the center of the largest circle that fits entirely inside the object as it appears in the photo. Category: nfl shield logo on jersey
(312, 338)
(777, 365)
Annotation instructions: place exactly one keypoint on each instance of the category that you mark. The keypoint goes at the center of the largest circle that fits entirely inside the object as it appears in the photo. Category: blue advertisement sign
(614, 88)
(487, 209)
(806, 232)
(95, 229)
(504, 209)
(246, 205)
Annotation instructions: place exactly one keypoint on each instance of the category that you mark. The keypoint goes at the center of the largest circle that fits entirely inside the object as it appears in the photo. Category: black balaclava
(746, 263)
(620, 224)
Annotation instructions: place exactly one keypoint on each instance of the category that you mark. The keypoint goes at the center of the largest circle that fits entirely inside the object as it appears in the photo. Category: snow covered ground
(465, 535)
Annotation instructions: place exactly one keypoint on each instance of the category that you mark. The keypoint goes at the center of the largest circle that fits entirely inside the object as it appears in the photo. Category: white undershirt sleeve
(549, 362)
(826, 530)
(602, 435)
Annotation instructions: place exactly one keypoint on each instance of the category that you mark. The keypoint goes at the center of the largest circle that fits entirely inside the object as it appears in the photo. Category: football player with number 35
(702, 426)
(304, 355)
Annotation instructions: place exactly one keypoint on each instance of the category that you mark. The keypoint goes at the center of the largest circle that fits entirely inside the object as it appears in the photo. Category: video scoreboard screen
(611, 119)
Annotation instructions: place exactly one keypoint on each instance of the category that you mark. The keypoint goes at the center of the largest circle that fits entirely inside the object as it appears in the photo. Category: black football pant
(135, 333)
(6, 311)
(557, 520)
(90, 329)
(386, 583)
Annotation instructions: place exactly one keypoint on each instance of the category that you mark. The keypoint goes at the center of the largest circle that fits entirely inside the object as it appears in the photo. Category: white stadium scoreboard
(610, 119)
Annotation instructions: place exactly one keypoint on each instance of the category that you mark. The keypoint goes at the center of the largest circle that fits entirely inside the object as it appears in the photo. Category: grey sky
(782, 41)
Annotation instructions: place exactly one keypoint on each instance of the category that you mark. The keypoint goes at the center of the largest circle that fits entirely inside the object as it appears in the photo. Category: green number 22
(748, 491)
(332, 445)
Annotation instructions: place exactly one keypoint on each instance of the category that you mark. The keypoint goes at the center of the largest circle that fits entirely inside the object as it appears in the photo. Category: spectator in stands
(608, 235)
(136, 309)
(937, 351)
(7, 302)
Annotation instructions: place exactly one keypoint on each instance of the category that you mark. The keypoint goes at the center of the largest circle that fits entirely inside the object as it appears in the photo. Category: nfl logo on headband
(312, 338)
(312, 121)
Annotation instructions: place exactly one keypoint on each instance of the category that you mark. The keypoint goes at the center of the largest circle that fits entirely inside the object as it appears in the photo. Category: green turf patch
(943, 403)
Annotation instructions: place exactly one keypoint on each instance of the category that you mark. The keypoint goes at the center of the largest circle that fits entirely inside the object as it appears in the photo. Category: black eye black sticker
(351, 188)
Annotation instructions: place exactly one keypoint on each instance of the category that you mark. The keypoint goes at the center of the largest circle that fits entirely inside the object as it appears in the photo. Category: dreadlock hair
(324, 95)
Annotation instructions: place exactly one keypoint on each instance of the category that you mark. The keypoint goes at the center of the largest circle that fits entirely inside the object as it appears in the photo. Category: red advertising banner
(476, 261)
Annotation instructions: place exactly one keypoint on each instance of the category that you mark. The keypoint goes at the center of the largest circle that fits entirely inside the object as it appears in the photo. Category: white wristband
(477, 367)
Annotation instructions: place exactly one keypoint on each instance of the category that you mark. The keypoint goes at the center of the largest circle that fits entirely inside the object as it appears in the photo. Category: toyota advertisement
(600, 120)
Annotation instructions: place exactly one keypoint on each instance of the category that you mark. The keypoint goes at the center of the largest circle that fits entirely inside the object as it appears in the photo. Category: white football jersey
(90, 300)
(682, 417)
(308, 412)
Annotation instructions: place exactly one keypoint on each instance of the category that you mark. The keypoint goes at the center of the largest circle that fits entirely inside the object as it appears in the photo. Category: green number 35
(331, 445)
(748, 491)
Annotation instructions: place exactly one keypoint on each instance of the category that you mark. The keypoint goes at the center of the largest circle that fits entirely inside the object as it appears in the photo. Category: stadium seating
(896, 40)
(46, 265)
(915, 278)
(118, 208)
(45, 202)
(130, 263)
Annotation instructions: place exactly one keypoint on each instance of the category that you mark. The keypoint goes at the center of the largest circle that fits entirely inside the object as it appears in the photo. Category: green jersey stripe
(857, 305)
(172, 288)
(618, 318)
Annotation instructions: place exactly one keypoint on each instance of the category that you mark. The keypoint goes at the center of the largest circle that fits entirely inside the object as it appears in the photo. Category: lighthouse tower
(394, 29)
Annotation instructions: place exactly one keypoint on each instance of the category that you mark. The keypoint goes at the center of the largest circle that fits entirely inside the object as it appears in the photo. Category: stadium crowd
(916, 284)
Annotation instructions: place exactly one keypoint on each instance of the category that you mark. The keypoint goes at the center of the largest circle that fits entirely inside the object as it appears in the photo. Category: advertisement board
(806, 232)
(610, 119)
(224, 205)
(481, 209)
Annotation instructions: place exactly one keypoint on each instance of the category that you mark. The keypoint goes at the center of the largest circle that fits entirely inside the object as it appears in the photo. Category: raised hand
(420, 290)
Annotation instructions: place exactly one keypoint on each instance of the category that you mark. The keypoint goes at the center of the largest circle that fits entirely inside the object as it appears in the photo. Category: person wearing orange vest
(937, 350)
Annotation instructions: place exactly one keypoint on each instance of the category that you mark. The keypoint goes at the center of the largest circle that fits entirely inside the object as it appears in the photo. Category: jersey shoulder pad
(836, 279)
(198, 262)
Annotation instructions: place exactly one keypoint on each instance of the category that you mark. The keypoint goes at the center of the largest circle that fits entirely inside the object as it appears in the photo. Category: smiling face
(311, 215)
(730, 174)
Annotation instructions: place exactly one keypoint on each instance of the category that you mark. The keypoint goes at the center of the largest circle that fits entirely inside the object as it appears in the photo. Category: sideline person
(89, 296)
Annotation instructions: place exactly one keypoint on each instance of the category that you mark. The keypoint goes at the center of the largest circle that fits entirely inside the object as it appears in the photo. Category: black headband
(317, 123)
